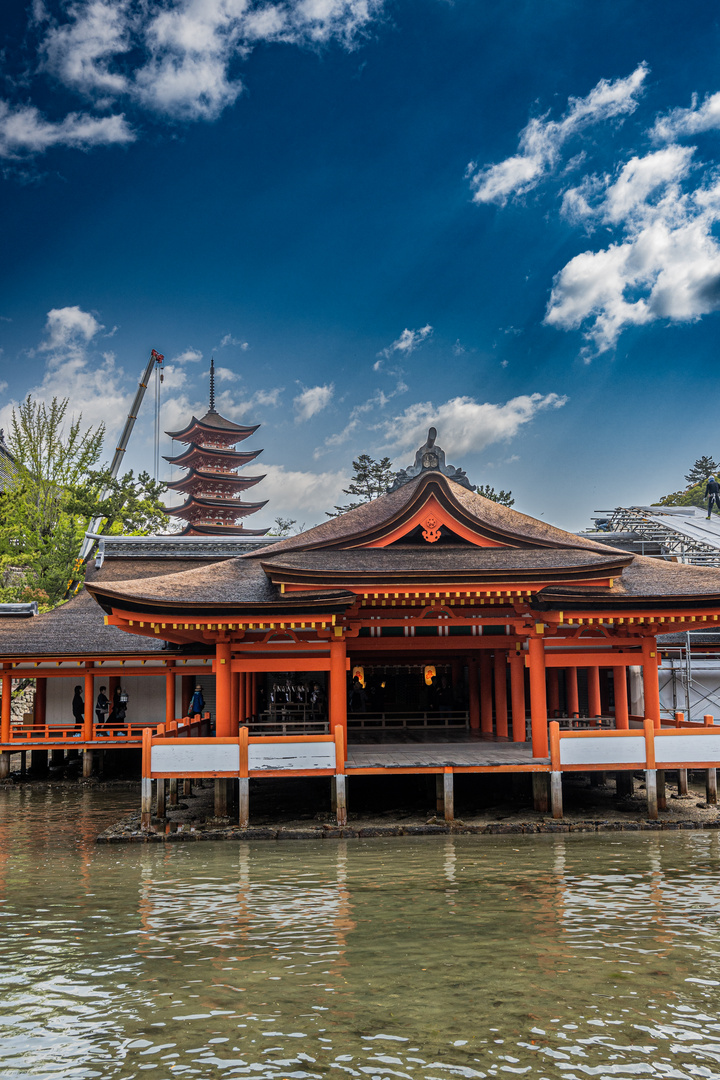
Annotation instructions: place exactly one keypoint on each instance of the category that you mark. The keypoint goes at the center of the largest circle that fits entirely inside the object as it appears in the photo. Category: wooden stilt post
(223, 679)
(682, 781)
(572, 701)
(710, 774)
(187, 787)
(661, 793)
(88, 763)
(4, 764)
(448, 794)
(173, 791)
(624, 784)
(651, 686)
(340, 792)
(333, 795)
(160, 792)
(221, 797)
(473, 694)
(501, 713)
(439, 794)
(243, 780)
(593, 679)
(541, 802)
(538, 701)
(517, 696)
(556, 806)
(650, 772)
(622, 718)
(170, 694)
(486, 709)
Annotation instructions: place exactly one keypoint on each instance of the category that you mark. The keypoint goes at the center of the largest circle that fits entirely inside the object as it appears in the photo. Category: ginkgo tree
(55, 486)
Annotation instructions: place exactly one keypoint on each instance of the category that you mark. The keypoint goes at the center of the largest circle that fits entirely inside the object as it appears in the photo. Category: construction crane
(154, 363)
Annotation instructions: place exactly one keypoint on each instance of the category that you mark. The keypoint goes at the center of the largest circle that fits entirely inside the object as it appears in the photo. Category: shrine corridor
(434, 957)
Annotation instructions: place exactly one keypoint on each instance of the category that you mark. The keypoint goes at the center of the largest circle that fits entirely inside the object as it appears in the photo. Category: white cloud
(469, 425)
(188, 356)
(312, 400)
(24, 131)
(304, 496)
(224, 374)
(228, 404)
(692, 121)
(666, 264)
(79, 52)
(542, 140)
(178, 59)
(230, 340)
(68, 330)
(407, 343)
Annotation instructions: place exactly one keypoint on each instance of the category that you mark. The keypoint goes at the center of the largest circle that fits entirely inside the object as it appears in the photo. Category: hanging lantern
(359, 673)
(430, 674)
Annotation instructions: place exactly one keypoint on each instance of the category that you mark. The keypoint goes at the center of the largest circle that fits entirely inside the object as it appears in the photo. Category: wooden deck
(476, 754)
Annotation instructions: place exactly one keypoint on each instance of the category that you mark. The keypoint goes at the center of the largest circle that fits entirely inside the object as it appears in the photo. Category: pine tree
(502, 497)
(370, 480)
(704, 466)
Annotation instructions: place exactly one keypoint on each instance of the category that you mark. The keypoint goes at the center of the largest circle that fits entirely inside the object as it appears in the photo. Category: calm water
(575, 956)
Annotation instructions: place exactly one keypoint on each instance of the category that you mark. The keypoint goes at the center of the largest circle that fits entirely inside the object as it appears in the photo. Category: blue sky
(498, 218)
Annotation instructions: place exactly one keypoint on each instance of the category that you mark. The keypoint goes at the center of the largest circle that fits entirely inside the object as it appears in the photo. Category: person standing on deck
(102, 706)
(78, 706)
(712, 494)
(197, 703)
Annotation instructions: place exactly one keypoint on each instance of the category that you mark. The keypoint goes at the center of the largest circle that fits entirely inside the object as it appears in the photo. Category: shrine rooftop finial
(212, 384)
(430, 458)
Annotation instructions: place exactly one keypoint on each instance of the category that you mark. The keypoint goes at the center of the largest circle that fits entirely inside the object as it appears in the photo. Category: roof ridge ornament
(431, 458)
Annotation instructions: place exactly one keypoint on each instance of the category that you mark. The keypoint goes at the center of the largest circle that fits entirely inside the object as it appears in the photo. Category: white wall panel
(603, 750)
(190, 760)
(700, 748)
(292, 756)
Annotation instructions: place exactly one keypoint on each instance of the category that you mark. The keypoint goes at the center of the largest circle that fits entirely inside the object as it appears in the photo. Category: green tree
(703, 467)
(284, 527)
(370, 479)
(55, 490)
(502, 497)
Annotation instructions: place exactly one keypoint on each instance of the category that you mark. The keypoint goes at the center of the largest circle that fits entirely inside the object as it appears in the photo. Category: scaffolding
(677, 534)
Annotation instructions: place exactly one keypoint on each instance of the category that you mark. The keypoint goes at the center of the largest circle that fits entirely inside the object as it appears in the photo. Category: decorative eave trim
(112, 602)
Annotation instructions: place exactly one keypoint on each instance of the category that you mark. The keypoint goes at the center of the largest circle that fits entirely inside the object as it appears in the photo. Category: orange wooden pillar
(170, 695)
(501, 713)
(553, 693)
(5, 722)
(517, 696)
(486, 709)
(473, 693)
(223, 680)
(538, 698)
(187, 686)
(572, 701)
(253, 693)
(40, 702)
(242, 696)
(593, 681)
(338, 686)
(234, 701)
(89, 694)
(651, 685)
(622, 716)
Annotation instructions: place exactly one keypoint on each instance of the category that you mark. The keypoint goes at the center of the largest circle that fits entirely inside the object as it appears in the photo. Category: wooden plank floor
(403, 755)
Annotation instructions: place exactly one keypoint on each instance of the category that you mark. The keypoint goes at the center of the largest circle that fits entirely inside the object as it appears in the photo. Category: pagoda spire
(212, 384)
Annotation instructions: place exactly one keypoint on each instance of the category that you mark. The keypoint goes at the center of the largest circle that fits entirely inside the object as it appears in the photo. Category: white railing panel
(700, 748)
(603, 750)
(291, 756)
(192, 760)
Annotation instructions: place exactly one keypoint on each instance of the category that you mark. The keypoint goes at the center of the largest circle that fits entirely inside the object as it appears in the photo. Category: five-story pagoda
(211, 485)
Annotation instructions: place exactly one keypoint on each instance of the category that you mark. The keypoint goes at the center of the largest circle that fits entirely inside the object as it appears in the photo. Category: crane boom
(156, 360)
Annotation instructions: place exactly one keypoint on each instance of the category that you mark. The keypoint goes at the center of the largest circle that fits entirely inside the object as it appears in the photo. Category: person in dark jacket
(712, 494)
(197, 703)
(78, 706)
(102, 705)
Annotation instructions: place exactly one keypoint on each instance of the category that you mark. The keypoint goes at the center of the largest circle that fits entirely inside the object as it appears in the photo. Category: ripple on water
(568, 956)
